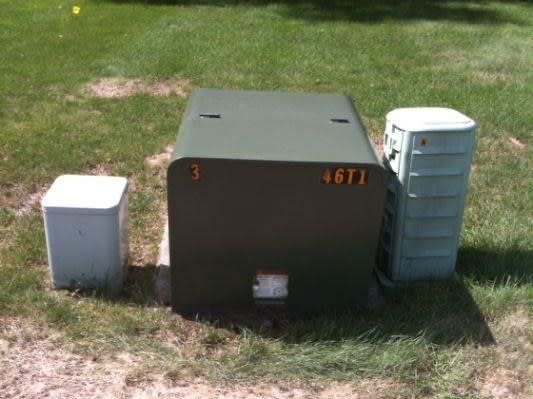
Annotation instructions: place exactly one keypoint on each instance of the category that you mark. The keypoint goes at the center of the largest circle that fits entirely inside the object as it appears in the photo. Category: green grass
(475, 56)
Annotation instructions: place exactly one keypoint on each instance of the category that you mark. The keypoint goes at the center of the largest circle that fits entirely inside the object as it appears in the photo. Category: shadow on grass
(139, 285)
(441, 313)
(138, 288)
(367, 11)
(497, 266)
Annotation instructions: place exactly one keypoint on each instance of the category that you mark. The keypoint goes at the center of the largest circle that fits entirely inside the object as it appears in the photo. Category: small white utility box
(86, 224)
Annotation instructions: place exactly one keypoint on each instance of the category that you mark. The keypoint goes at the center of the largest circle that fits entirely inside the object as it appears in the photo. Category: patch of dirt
(501, 384)
(99, 169)
(379, 147)
(106, 169)
(10, 195)
(199, 389)
(161, 159)
(516, 143)
(519, 327)
(116, 87)
(487, 78)
(34, 362)
(369, 388)
(30, 202)
(517, 323)
(510, 375)
(16, 199)
(375, 130)
(375, 127)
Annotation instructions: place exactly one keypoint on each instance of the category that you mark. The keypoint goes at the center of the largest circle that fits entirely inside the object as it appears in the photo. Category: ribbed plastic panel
(429, 151)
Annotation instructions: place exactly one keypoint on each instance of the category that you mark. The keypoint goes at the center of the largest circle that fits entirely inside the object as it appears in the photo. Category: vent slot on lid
(209, 115)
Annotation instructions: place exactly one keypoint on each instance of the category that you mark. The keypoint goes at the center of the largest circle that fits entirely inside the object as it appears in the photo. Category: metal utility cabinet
(430, 152)
(272, 198)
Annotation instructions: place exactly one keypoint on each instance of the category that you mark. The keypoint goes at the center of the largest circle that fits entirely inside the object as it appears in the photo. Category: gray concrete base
(162, 282)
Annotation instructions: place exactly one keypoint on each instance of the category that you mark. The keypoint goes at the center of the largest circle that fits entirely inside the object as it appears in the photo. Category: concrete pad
(162, 282)
(164, 253)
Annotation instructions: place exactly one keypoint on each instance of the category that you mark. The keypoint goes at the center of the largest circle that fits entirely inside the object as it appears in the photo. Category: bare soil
(516, 143)
(16, 198)
(511, 373)
(487, 78)
(35, 362)
(117, 87)
(22, 203)
(161, 159)
(99, 169)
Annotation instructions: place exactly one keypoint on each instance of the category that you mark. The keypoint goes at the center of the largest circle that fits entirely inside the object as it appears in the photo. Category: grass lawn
(469, 338)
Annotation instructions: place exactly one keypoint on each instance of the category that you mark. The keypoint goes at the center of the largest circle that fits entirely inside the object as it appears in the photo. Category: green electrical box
(273, 198)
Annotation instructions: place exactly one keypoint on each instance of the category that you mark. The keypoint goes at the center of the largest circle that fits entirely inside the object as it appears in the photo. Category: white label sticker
(271, 285)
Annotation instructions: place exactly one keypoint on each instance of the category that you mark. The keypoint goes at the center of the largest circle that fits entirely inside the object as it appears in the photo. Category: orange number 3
(195, 171)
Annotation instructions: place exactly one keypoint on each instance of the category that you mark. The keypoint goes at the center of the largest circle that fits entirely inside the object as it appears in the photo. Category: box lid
(429, 119)
(273, 126)
(79, 194)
